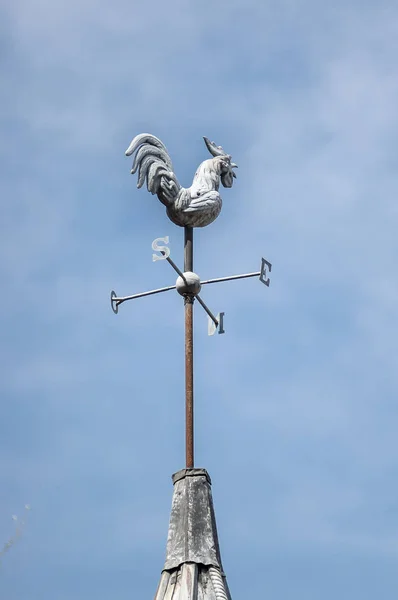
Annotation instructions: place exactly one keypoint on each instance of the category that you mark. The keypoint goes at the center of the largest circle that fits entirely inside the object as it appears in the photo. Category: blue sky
(296, 403)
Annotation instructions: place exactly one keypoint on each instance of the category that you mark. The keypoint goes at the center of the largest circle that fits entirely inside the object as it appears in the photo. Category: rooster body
(196, 206)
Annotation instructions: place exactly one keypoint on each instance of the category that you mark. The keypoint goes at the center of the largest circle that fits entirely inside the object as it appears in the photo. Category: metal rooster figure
(196, 206)
(193, 569)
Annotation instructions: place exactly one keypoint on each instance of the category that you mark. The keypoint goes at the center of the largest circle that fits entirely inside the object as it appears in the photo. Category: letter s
(164, 249)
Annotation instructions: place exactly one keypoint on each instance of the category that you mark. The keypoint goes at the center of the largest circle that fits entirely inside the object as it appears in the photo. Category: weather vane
(196, 206)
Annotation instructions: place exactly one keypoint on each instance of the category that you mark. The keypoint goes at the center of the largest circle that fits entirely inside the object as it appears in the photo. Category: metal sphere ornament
(189, 284)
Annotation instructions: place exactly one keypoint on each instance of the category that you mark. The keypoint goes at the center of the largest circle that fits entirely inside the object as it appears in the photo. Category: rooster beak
(234, 174)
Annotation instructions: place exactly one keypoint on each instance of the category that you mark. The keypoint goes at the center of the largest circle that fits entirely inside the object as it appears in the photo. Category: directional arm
(262, 274)
(116, 301)
(203, 305)
(176, 269)
(231, 278)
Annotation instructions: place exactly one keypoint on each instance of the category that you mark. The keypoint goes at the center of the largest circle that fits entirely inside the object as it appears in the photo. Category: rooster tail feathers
(144, 138)
(155, 172)
(153, 163)
(148, 150)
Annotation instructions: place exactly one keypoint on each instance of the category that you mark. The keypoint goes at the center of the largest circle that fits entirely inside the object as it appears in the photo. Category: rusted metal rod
(189, 436)
(189, 300)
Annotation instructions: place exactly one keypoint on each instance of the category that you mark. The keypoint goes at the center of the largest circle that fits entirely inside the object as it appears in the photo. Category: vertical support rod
(188, 301)
(188, 249)
(189, 382)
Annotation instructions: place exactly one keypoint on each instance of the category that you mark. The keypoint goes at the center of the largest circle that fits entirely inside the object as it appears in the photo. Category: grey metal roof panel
(193, 568)
(193, 582)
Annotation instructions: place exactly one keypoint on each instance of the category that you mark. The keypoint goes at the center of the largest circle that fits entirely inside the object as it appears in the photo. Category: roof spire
(193, 568)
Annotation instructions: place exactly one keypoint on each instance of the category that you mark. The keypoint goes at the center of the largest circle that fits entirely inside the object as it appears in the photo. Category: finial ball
(189, 284)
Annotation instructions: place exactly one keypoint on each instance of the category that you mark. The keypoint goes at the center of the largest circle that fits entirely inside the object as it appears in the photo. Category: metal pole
(188, 301)
(188, 249)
